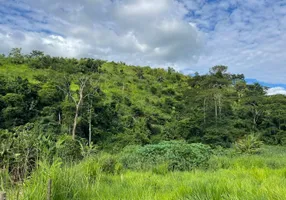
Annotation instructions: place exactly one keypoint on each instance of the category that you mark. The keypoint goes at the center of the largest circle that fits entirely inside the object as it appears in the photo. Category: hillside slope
(124, 105)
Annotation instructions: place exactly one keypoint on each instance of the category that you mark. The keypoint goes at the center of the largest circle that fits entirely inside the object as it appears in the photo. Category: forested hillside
(74, 121)
(114, 104)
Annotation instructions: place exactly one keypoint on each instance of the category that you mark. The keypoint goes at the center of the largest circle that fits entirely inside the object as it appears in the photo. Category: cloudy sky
(249, 36)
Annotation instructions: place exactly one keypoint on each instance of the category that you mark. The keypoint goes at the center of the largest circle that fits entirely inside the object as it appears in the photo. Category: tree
(36, 54)
(218, 70)
(86, 65)
(85, 89)
(21, 100)
(16, 56)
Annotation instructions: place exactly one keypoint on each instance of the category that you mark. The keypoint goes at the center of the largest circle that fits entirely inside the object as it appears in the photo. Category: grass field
(228, 177)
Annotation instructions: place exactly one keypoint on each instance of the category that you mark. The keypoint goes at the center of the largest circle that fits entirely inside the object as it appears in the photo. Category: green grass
(229, 177)
(24, 71)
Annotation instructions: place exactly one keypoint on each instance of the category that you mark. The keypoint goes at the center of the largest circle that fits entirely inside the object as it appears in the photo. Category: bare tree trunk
(75, 119)
(256, 115)
(279, 122)
(215, 111)
(89, 124)
(66, 89)
(205, 110)
(60, 119)
(89, 134)
(254, 121)
(78, 104)
(219, 106)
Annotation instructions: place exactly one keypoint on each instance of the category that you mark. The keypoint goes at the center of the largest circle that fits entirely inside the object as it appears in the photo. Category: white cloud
(191, 35)
(246, 35)
(52, 44)
(144, 32)
(276, 90)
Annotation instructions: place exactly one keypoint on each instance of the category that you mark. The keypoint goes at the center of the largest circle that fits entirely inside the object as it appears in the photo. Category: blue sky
(190, 35)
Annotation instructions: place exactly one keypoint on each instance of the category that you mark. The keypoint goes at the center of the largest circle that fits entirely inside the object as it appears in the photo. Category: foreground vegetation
(228, 176)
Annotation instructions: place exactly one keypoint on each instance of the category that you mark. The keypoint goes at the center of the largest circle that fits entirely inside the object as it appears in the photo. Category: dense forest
(114, 104)
(68, 108)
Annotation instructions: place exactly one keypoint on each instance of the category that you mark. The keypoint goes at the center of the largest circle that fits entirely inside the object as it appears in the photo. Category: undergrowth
(228, 176)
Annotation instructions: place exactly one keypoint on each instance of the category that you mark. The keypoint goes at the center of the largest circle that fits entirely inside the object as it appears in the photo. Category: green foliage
(237, 177)
(161, 169)
(134, 105)
(19, 151)
(108, 164)
(178, 156)
(68, 149)
(88, 150)
(126, 105)
(249, 144)
(22, 148)
(16, 56)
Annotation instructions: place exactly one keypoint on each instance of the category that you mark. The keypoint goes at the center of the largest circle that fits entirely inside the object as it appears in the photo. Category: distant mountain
(271, 85)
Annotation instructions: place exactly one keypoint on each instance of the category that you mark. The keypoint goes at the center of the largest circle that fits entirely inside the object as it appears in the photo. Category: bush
(68, 149)
(18, 152)
(249, 144)
(109, 164)
(177, 154)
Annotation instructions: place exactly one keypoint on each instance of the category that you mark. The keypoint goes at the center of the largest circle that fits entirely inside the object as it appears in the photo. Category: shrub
(109, 164)
(249, 144)
(88, 150)
(68, 149)
(128, 157)
(177, 154)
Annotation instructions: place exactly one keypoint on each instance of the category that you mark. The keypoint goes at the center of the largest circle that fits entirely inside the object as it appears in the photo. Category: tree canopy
(113, 104)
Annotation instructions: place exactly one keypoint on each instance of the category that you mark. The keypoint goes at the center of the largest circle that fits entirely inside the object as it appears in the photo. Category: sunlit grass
(243, 177)
(76, 183)
(21, 70)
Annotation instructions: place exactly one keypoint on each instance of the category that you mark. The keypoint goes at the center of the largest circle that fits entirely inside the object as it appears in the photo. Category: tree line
(107, 101)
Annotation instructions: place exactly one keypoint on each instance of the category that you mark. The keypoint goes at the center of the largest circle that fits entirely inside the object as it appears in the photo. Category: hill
(123, 104)
(60, 114)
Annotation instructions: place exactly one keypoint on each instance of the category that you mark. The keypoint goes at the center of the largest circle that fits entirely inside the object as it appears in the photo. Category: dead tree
(83, 92)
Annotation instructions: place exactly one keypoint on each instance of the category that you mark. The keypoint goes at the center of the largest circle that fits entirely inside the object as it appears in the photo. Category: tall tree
(16, 56)
(85, 89)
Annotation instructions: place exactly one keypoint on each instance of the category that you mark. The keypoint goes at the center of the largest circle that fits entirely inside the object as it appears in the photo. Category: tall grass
(229, 177)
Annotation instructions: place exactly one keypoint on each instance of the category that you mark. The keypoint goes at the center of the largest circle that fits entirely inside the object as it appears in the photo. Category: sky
(248, 36)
